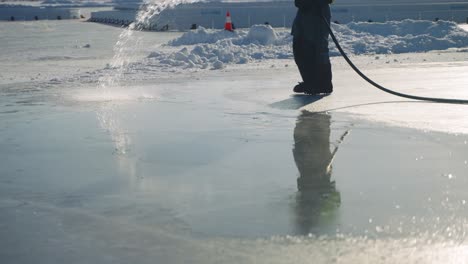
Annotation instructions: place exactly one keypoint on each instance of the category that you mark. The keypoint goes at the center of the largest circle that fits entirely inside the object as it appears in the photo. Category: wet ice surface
(50, 52)
(221, 166)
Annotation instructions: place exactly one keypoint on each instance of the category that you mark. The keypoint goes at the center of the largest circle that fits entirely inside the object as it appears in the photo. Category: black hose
(431, 99)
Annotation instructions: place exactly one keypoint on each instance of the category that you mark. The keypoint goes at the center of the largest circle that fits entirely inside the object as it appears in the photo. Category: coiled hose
(378, 86)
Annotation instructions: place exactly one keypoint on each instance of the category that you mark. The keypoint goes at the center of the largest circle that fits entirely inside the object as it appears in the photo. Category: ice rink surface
(225, 166)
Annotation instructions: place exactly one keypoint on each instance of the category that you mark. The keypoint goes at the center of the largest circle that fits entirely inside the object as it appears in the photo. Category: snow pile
(74, 3)
(204, 48)
(261, 34)
(264, 35)
(215, 48)
(400, 36)
(56, 2)
(205, 36)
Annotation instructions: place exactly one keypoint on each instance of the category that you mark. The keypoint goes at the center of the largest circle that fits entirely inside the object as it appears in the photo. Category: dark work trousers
(315, 70)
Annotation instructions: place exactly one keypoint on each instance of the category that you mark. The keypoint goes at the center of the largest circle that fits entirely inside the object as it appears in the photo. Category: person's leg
(299, 56)
(305, 56)
(311, 67)
(325, 69)
(311, 55)
(326, 85)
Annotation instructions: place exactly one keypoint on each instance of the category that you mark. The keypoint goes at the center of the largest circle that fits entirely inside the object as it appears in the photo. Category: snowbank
(204, 48)
(400, 36)
(57, 2)
(205, 36)
(75, 3)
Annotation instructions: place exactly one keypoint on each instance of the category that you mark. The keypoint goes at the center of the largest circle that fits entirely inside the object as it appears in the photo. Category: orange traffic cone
(228, 24)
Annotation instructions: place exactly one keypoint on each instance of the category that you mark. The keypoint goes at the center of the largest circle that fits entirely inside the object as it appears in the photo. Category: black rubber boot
(303, 87)
(300, 87)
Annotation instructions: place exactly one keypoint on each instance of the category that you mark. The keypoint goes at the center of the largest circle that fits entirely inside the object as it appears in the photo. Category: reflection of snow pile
(204, 48)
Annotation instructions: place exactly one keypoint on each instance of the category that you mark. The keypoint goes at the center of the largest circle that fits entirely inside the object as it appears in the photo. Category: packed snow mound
(400, 37)
(405, 27)
(55, 2)
(205, 36)
(74, 3)
(257, 34)
(213, 49)
(263, 34)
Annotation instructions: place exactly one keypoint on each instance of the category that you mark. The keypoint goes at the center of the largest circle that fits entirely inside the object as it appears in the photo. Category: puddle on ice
(115, 94)
(252, 201)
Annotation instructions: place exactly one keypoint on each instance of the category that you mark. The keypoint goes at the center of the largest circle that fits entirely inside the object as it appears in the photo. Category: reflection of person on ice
(317, 200)
(310, 46)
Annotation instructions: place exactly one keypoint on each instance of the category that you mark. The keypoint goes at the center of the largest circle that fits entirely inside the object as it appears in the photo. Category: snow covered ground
(49, 10)
(204, 48)
(193, 164)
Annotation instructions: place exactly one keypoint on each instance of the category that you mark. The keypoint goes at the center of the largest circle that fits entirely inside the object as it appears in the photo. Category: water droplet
(397, 206)
(448, 176)
(463, 202)
(370, 220)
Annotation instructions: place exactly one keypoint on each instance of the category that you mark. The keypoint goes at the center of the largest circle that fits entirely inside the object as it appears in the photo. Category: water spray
(127, 42)
(124, 50)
